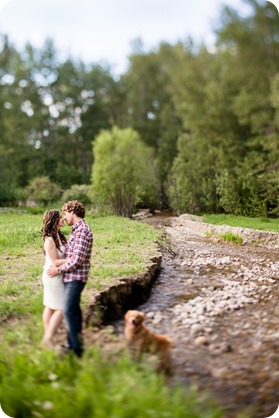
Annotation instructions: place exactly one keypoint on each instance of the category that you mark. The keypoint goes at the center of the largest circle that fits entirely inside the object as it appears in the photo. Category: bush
(191, 185)
(77, 192)
(42, 191)
(8, 196)
(124, 172)
(179, 193)
(230, 237)
(243, 191)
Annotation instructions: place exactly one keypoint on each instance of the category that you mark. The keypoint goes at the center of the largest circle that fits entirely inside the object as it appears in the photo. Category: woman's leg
(47, 313)
(52, 319)
(53, 324)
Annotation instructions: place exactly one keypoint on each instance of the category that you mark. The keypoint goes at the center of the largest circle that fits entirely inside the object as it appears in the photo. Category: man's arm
(55, 269)
(78, 254)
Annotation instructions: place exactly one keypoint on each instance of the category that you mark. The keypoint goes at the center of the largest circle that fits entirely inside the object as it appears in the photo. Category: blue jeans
(73, 315)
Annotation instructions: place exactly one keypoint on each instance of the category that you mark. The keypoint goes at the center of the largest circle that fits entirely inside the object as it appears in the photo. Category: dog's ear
(141, 316)
(127, 314)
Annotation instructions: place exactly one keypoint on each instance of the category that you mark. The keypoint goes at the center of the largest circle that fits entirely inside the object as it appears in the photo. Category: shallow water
(219, 303)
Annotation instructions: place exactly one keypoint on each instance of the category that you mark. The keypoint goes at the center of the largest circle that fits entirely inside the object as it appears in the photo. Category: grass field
(41, 384)
(121, 248)
(263, 224)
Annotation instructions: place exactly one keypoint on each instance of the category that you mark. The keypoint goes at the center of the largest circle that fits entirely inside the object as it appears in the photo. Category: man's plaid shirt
(78, 251)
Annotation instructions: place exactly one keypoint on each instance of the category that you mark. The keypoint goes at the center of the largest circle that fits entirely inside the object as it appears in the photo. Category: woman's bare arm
(51, 251)
(59, 261)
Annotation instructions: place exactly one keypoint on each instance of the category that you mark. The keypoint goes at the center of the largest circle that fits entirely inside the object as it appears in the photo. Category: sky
(103, 31)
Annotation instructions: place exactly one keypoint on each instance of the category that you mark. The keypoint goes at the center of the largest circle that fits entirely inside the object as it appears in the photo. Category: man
(75, 270)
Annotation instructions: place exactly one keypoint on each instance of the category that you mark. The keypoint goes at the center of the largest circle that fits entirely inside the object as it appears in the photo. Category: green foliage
(229, 160)
(77, 192)
(43, 191)
(27, 302)
(48, 108)
(124, 172)
(121, 248)
(230, 237)
(41, 384)
(227, 185)
(261, 223)
(249, 189)
(8, 195)
(23, 231)
(224, 104)
(179, 190)
(190, 186)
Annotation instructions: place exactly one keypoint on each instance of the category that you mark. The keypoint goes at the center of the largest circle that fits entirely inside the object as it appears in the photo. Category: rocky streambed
(219, 303)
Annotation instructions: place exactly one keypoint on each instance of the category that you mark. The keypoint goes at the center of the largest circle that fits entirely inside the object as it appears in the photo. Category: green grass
(40, 384)
(121, 248)
(230, 237)
(265, 224)
(18, 231)
(35, 383)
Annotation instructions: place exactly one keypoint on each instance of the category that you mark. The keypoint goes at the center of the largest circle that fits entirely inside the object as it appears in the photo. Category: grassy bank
(121, 248)
(262, 224)
(36, 383)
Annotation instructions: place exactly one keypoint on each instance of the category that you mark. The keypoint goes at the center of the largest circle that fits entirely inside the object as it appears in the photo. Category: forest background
(186, 128)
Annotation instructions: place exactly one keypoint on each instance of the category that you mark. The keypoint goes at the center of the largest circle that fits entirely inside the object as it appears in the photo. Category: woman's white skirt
(53, 297)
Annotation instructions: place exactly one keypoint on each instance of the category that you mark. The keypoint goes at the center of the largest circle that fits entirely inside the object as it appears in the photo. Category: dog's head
(134, 318)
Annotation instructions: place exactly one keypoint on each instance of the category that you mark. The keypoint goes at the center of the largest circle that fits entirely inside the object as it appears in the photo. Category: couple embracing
(66, 270)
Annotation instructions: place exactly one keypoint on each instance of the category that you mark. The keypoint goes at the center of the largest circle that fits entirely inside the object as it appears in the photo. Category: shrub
(230, 237)
(77, 192)
(8, 196)
(191, 185)
(43, 191)
(124, 172)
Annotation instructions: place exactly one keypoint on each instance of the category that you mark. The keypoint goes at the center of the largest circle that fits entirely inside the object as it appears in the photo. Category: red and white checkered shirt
(78, 251)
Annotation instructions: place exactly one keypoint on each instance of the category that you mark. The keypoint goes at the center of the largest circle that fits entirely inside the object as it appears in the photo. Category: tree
(149, 106)
(77, 192)
(226, 104)
(124, 172)
(43, 191)
(252, 46)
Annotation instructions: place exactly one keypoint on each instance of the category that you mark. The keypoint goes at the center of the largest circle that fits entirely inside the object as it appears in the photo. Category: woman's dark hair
(50, 227)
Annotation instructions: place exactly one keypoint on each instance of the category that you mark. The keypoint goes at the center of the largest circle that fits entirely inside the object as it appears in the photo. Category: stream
(219, 304)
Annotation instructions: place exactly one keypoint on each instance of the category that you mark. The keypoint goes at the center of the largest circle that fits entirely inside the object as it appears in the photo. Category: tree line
(186, 127)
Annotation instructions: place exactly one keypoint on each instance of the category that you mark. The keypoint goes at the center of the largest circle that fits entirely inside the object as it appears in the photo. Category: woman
(54, 250)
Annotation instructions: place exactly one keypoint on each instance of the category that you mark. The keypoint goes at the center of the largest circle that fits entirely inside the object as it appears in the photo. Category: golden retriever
(142, 340)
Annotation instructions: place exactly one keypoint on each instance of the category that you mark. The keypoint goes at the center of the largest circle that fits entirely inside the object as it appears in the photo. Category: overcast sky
(102, 30)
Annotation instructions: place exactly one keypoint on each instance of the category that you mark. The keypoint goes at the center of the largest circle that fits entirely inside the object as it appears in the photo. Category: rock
(196, 328)
(142, 214)
(202, 340)
(208, 330)
(218, 348)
